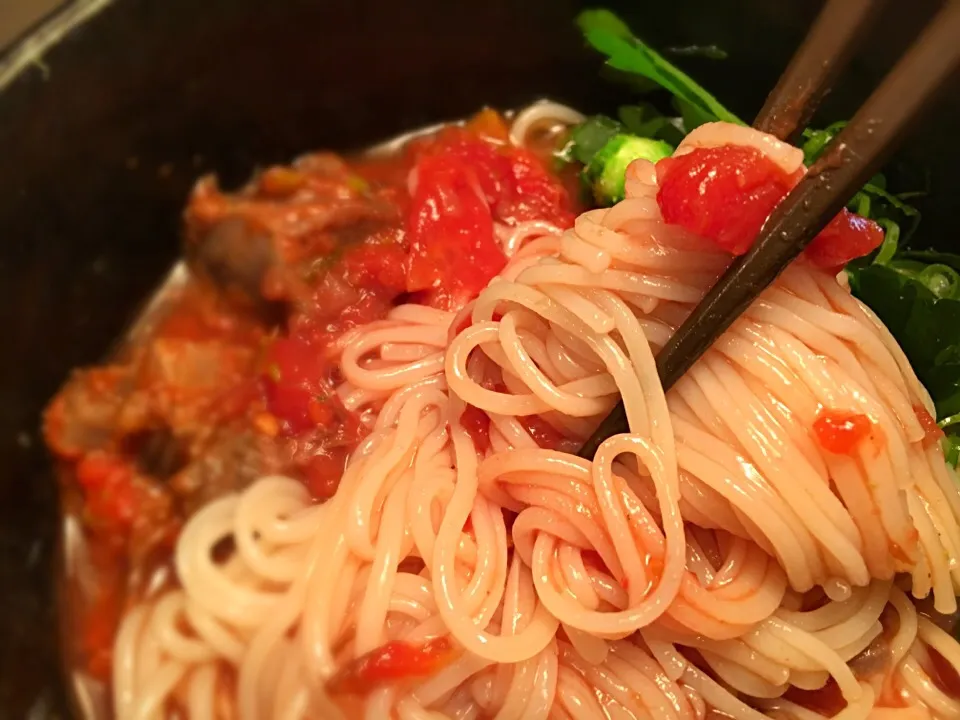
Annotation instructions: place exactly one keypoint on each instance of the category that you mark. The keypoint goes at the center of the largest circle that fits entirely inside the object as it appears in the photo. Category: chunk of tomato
(724, 194)
(450, 230)
(489, 165)
(840, 431)
(932, 432)
(293, 375)
(391, 663)
(109, 489)
(534, 194)
(376, 266)
(515, 183)
(846, 237)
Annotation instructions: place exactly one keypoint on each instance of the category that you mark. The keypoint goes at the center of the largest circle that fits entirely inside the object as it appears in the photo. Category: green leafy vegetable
(951, 451)
(932, 256)
(815, 141)
(609, 35)
(645, 69)
(926, 326)
(588, 137)
(644, 120)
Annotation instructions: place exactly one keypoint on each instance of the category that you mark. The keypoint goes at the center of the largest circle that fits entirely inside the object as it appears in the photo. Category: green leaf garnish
(644, 120)
(588, 137)
(951, 452)
(816, 141)
(925, 325)
(609, 35)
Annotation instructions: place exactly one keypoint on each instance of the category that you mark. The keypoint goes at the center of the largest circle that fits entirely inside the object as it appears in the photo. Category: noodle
(708, 561)
(552, 112)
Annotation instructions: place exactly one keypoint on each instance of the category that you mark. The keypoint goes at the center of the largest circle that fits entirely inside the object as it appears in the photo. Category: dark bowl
(110, 110)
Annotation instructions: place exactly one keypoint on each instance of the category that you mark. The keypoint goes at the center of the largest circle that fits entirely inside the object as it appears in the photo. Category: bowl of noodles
(313, 306)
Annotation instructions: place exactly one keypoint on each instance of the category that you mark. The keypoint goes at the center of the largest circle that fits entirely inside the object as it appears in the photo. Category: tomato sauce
(235, 375)
(391, 663)
(841, 431)
(932, 432)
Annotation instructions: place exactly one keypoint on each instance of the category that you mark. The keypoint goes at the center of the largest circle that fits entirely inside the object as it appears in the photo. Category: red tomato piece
(515, 183)
(840, 431)
(321, 412)
(536, 194)
(490, 167)
(107, 481)
(376, 266)
(932, 431)
(724, 194)
(450, 228)
(396, 661)
(477, 423)
(464, 182)
(846, 237)
(99, 628)
(97, 469)
(294, 371)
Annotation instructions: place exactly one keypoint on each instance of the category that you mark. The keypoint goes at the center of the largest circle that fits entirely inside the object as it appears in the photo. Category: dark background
(100, 143)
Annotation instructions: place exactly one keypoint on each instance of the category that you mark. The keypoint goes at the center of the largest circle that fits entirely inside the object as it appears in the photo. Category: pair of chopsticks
(853, 156)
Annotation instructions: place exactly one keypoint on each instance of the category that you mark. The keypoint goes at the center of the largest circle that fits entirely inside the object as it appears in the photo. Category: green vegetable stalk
(606, 171)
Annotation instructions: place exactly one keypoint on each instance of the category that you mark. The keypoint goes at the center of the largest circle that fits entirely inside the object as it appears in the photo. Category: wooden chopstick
(853, 156)
(836, 34)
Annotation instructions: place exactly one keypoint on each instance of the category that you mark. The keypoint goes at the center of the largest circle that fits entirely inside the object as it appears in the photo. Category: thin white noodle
(542, 110)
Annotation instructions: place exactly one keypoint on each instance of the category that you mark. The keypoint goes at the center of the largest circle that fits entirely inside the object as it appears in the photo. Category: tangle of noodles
(713, 561)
